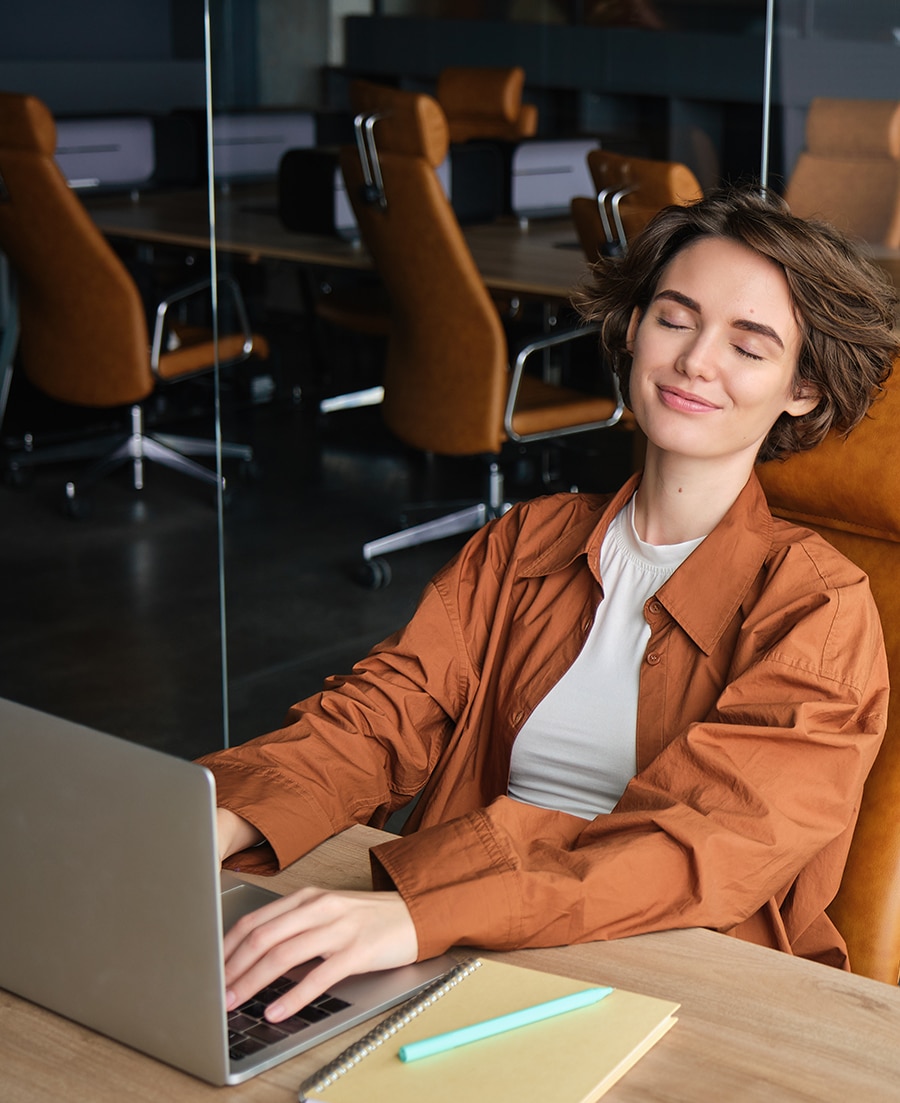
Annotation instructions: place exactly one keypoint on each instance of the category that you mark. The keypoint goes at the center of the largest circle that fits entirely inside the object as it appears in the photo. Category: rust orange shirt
(762, 701)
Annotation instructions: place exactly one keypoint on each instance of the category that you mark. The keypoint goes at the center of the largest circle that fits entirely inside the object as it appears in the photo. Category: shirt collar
(727, 561)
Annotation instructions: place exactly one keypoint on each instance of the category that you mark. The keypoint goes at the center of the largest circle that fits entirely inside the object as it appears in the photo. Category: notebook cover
(572, 1058)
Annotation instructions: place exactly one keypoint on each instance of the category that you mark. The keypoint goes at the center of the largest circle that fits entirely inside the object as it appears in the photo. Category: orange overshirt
(762, 703)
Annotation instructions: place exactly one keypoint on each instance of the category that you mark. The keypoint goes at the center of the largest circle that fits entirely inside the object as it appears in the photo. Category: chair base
(167, 449)
(375, 573)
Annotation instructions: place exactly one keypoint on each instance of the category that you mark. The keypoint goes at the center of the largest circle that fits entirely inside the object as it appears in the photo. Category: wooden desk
(543, 259)
(754, 1024)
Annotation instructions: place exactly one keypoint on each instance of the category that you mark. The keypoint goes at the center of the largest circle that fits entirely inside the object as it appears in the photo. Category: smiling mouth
(682, 400)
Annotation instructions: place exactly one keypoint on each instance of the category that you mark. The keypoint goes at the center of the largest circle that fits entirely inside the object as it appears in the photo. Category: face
(715, 355)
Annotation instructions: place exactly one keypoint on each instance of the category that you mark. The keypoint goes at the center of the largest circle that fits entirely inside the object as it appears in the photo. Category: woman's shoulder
(807, 554)
(529, 530)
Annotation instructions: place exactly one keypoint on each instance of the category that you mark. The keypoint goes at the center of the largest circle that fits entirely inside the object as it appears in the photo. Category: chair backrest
(654, 184)
(485, 102)
(849, 491)
(849, 170)
(83, 328)
(446, 375)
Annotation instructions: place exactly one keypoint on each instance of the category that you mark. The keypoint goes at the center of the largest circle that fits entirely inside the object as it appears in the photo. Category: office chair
(448, 387)
(846, 489)
(849, 170)
(485, 102)
(629, 192)
(82, 332)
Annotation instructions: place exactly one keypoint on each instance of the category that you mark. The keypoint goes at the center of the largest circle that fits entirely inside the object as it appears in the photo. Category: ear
(633, 324)
(806, 397)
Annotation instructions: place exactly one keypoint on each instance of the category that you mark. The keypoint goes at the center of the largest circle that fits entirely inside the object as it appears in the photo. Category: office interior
(184, 620)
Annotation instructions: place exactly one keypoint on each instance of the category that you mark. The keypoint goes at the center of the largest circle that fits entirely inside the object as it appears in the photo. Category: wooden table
(541, 259)
(754, 1024)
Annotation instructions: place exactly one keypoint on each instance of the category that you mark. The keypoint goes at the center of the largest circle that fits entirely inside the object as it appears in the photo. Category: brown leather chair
(449, 387)
(486, 102)
(83, 333)
(629, 192)
(847, 490)
(849, 170)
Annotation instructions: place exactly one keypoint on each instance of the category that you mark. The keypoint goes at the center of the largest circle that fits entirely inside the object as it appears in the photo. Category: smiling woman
(620, 714)
(714, 366)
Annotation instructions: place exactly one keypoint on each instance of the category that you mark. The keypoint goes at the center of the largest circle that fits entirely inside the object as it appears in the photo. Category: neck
(680, 500)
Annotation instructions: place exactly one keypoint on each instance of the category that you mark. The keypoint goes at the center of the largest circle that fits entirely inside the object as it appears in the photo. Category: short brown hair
(845, 305)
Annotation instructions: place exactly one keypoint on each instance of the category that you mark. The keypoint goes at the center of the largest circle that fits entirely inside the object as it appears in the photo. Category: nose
(698, 358)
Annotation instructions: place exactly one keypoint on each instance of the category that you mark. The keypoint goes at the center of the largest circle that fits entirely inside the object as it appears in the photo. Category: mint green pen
(412, 1051)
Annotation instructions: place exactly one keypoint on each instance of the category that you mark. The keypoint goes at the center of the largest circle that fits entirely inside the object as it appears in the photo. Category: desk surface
(542, 259)
(754, 1024)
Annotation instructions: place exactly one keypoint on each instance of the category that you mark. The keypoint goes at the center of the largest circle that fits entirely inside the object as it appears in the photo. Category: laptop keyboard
(249, 1032)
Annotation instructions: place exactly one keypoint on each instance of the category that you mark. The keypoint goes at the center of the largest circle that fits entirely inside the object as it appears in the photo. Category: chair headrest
(26, 123)
(489, 92)
(411, 123)
(847, 128)
(851, 484)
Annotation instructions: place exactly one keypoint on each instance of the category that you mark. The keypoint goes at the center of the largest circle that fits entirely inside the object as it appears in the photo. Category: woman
(620, 715)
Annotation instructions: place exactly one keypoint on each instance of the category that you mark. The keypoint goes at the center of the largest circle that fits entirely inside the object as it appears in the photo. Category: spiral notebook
(572, 1058)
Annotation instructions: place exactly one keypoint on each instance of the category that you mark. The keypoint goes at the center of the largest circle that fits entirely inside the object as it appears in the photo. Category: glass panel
(689, 89)
(113, 620)
(844, 167)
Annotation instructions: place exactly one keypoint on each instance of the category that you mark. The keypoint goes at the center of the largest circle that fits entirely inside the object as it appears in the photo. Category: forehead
(725, 269)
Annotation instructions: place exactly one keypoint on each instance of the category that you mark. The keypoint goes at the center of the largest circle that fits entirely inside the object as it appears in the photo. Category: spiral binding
(386, 1029)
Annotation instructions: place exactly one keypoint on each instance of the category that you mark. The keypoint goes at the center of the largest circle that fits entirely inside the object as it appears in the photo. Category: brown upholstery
(485, 102)
(657, 184)
(849, 170)
(448, 385)
(84, 338)
(447, 374)
(847, 489)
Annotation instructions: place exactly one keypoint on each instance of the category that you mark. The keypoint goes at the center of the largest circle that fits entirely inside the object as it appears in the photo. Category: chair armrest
(538, 345)
(225, 283)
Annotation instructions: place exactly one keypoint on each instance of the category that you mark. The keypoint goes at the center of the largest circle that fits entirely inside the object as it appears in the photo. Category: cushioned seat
(847, 489)
(849, 170)
(485, 102)
(449, 387)
(629, 192)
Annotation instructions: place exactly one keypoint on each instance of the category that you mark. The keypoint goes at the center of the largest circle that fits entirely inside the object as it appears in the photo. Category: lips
(677, 399)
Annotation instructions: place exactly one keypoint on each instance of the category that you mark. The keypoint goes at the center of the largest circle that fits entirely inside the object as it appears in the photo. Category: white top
(576, 752)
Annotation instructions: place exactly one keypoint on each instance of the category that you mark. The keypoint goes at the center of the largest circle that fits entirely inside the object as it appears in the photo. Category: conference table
(754, 1024)
(540, 258)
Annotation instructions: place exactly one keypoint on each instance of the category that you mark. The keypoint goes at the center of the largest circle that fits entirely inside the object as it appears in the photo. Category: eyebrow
(739, 323)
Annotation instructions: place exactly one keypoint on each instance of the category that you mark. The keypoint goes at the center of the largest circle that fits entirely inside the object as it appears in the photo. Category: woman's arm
(759, 797)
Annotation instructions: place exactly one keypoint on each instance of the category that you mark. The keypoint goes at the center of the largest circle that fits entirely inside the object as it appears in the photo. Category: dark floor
(113, 620)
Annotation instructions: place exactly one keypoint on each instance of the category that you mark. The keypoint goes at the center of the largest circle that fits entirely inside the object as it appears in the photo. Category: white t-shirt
(576, 752)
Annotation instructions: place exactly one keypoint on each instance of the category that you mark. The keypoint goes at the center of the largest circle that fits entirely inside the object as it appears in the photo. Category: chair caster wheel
(74, 507)
(374, 574)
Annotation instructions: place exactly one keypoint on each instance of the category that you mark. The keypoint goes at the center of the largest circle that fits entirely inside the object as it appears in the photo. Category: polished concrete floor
(114, 620)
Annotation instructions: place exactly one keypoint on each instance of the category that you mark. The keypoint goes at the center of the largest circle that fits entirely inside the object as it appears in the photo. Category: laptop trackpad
(239, 898)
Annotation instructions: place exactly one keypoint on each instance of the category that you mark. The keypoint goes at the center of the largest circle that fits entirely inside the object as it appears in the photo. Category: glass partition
(112, 619)
(681, 81)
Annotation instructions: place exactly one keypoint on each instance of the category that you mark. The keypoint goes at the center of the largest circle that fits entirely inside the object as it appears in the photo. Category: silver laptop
(114, 904)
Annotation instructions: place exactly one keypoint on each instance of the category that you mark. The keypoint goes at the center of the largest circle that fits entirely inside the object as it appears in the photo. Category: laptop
(114, 905)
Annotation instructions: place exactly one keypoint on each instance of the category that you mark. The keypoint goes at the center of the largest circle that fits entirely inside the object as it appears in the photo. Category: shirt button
(517, 718)
(654, 658)
(654, 607)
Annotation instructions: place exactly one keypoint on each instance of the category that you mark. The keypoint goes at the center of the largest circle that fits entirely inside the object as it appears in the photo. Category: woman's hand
(234, 833)
(352, 932)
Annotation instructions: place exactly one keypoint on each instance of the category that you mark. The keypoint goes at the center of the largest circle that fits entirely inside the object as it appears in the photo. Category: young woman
(620, 714)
